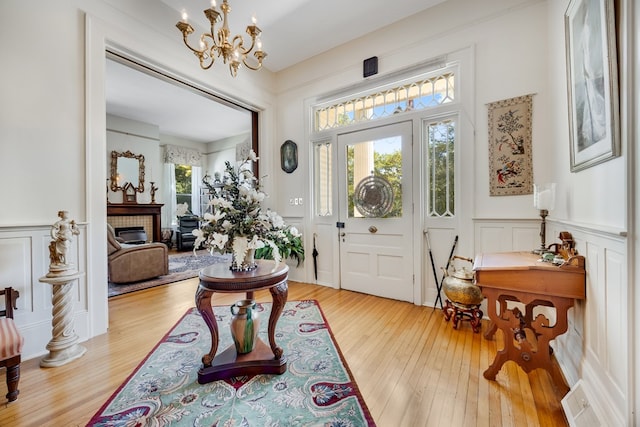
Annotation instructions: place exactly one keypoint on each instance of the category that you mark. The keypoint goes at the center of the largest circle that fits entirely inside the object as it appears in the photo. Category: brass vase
(244, 325)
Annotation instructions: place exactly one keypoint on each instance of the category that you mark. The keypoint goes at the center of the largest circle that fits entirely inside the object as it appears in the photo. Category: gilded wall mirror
(127, 168)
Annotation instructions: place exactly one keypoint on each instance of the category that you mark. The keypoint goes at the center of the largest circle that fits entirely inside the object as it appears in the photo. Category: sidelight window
(323, 184)
(440, 142)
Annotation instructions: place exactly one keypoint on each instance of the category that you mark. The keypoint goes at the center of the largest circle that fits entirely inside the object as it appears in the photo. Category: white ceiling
(295, 30)
(177, 111)
(292, 31)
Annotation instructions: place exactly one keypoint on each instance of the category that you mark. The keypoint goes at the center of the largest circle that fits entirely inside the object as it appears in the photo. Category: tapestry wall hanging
(510, 164)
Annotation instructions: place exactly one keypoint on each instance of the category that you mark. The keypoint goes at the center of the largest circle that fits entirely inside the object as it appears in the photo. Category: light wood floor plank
(411, 366)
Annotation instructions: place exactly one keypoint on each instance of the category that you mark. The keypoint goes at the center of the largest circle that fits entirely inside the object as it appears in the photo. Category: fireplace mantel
(135, 209)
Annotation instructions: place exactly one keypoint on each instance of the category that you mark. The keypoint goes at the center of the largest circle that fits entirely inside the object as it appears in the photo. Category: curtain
(182, 155)
(169, 195)
(177, 155)
(196, 182)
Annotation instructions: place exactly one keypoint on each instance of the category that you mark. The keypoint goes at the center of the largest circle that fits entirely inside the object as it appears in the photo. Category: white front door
(376, 211)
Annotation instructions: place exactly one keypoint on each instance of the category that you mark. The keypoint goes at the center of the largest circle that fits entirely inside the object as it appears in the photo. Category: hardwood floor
(412, 367)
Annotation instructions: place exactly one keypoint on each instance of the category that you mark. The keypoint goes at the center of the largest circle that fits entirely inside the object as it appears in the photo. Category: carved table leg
(533, 351)
(279, 293)
(203, 302)
(491, 331)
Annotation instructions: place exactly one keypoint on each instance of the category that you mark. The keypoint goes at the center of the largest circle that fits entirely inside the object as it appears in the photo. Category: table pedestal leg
(261, 360)
(279, 294)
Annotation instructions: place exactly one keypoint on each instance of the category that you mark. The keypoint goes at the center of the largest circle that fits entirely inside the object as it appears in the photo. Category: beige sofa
(132, 263)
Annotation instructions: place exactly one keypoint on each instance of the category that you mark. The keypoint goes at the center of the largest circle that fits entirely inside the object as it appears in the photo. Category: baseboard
(587, 404)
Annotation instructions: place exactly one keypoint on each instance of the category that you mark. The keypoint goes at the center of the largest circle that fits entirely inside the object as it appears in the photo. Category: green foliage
(385, 165)
(183, 179)
(389, 167)
(290, 247)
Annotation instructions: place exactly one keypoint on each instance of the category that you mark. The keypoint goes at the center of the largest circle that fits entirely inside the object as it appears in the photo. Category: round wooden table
(262, 359)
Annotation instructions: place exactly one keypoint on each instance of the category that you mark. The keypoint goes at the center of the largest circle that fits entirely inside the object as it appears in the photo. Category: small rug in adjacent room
(182, 266)
(317, 389)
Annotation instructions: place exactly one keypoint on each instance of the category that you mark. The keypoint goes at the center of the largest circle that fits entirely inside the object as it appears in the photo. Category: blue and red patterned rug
(316, 390)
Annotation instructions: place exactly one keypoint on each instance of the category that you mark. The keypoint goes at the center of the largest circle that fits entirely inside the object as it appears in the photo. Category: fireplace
(133, 235)
(136, 215)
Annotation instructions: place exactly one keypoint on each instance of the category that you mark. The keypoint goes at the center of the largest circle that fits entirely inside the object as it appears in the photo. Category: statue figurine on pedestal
(63, 346)
(62, 231)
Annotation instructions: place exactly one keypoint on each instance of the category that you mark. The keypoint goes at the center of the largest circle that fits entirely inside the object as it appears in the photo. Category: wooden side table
(521, 277)
(262, 359)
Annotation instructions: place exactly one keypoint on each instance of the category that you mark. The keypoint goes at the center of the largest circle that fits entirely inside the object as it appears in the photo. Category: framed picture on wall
(592, 79)
(289, 156)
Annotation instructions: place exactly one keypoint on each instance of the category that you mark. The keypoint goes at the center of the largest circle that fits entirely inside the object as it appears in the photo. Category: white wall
(221, 151)
(53, 119)
(509, 58)
(519, 49)
(592, 204)
(141, 139)
(595, 196)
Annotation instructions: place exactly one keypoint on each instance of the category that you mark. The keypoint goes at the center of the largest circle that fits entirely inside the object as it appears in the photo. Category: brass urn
(459, 288)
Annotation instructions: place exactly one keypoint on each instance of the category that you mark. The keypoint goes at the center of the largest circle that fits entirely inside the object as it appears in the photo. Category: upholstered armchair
(184, 234)
(11, 342)
(132, 263)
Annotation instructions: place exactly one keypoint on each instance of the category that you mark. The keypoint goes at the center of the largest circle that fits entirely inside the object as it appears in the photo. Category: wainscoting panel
(441, 240)
(326, 235)
(15, 270)
(499, 235)
(595, 348)
(24, 259)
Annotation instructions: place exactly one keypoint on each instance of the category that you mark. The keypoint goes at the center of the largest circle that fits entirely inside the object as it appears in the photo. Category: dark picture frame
(592, 82)
(289, 156)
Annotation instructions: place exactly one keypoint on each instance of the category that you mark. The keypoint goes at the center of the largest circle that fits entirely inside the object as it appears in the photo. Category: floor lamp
(544, 199)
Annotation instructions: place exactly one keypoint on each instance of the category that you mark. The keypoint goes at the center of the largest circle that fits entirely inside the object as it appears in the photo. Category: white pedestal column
(63, 347)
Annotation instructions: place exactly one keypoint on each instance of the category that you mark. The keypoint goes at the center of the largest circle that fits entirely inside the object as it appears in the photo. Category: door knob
(373, 229)
(343, 234)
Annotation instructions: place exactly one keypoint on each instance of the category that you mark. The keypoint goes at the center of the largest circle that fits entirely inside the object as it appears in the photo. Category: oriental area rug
(182, 266)
(317, 388)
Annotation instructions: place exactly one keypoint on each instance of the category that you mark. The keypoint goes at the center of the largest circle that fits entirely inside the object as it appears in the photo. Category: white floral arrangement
(236, 223)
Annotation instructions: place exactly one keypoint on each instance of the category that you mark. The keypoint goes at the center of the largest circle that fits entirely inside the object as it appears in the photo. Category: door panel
(375, 206)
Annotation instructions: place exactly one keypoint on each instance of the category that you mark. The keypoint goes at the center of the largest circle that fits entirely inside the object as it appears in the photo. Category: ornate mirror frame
(115, 184)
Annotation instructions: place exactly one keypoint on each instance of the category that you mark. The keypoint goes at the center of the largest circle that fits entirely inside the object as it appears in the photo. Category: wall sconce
(544, 199)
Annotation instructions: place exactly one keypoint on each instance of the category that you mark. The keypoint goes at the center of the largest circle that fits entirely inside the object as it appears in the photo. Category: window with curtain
(182, 176)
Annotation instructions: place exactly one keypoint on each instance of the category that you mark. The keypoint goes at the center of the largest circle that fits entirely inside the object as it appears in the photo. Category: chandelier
(220, 43)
